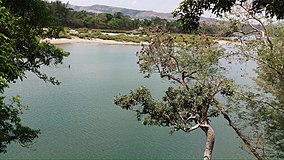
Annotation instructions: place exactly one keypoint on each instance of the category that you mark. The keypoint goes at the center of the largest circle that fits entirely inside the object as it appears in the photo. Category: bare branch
(239, 133)
(162, 75)
(264, 33)
(191, 118)
(191, 128)
(177, 64)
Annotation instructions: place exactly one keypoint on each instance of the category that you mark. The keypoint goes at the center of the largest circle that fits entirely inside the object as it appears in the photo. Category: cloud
(133, 3)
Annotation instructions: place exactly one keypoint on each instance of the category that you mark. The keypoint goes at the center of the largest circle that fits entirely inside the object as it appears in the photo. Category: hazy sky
(154, 5)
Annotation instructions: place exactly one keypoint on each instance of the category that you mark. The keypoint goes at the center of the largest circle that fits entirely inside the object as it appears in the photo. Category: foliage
(29, 10)
(189, 11)
(218, 29)
(22, 51)
(191, 102)
(260, 41)
(60, 14)
(11, 127)
(118, 21)
(262, 44)
(270, 104)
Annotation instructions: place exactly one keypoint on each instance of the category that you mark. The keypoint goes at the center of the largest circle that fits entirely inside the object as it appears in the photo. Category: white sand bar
(94, 41)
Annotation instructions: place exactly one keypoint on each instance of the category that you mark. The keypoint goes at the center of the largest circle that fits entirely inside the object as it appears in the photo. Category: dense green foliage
(81, 19)
(21, 24)
(189, 11)
(67, 17)
(61, 15)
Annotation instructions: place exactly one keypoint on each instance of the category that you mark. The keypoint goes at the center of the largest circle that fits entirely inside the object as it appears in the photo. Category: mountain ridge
(97, 8)
(134, 13)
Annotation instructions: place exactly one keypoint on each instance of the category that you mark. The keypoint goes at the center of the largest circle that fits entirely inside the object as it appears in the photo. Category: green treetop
(21, 28)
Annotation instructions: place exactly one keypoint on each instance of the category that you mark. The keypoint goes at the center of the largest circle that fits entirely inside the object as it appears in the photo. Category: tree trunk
(210, 140)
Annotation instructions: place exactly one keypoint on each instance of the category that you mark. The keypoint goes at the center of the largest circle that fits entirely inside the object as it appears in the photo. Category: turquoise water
(78, 119)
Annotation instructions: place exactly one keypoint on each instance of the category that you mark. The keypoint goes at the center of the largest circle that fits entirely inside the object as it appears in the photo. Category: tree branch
(239, 133)
(264, 32)
(191, 128)
(162, 75)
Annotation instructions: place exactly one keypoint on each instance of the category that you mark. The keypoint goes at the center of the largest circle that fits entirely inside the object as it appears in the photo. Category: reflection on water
(78, 119)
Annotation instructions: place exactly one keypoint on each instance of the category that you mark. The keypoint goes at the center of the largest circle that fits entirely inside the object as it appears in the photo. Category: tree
(115, 23)
(191, 102)
(271, 80)
(58, 12)
(263, 103)
(156, 21)
(174, 27)
(103, 19)
(265, 106)
(118, 15)
(189, 11)
(21, 25)
(218, 29)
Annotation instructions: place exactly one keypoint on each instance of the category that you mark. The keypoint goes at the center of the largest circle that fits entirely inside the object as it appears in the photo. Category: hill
(141, 14)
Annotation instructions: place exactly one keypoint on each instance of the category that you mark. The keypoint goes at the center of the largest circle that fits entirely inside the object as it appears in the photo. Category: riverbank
(58, 41)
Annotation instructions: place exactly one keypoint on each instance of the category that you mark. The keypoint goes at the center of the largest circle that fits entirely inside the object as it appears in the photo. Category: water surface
(78, 119)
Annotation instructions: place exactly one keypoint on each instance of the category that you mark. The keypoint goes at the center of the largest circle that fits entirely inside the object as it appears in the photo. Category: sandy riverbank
(92, 41)
(225, 42)
(58, 41)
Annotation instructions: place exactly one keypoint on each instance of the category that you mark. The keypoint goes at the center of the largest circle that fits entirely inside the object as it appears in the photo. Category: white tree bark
(210, 140)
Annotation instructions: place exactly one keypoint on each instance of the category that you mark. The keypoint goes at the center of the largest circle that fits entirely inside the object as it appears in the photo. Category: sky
(165, 6)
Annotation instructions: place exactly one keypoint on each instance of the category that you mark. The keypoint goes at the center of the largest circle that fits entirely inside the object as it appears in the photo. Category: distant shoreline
(58, 41)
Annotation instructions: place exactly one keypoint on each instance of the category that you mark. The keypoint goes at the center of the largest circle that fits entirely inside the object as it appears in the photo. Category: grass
(122, 36)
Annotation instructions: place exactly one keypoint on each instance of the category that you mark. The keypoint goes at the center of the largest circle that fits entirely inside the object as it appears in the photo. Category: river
(78, 119)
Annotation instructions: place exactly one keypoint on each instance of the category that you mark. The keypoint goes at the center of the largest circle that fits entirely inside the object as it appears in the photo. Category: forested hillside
(114, 18)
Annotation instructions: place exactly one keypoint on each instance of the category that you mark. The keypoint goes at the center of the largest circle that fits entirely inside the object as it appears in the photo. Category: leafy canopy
(189, 11)
(198, 81)
(21, 51)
